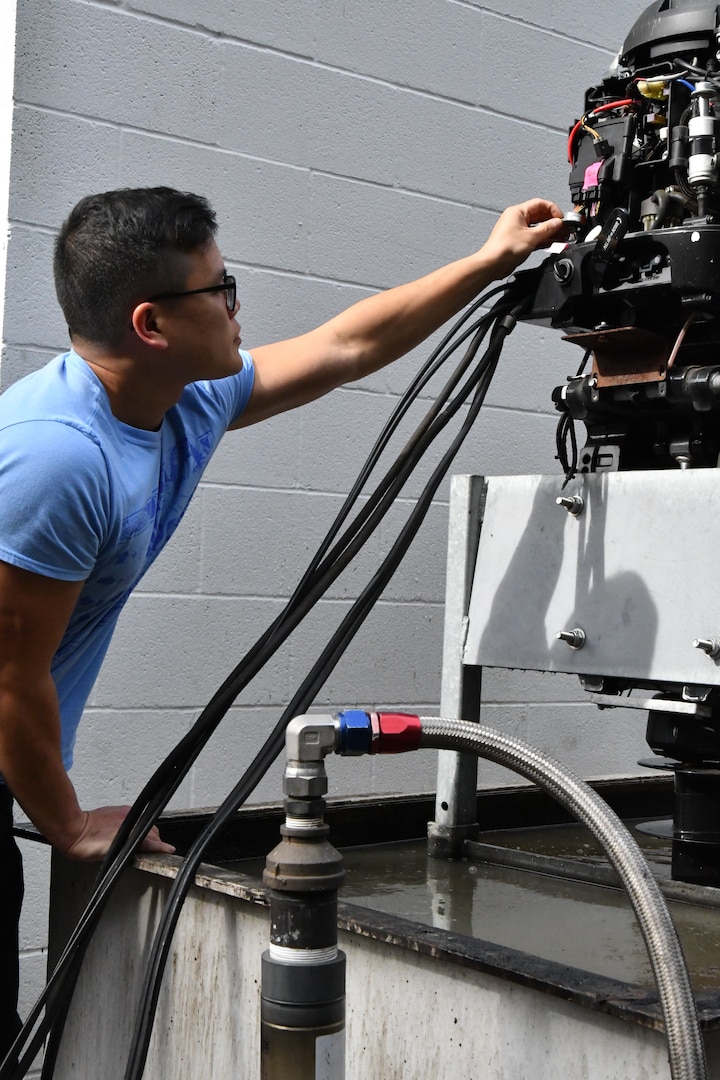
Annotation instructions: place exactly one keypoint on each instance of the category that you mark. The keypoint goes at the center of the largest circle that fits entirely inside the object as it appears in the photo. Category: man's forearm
(31, 764)
(385, 326)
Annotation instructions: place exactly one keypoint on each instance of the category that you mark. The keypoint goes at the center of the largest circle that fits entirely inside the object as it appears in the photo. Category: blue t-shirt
(84, 497)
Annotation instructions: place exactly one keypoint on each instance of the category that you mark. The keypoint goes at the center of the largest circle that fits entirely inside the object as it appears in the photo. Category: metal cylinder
(702, 167)
(303, 971)
(696, 833)
(303, 1018)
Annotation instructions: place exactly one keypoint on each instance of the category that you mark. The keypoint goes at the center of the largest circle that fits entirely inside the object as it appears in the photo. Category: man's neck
(137, 396)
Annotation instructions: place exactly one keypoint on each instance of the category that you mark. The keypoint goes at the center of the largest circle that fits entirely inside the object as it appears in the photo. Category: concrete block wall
(346, 147)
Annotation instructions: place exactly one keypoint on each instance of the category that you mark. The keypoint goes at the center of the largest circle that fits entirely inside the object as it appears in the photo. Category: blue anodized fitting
(354, 732)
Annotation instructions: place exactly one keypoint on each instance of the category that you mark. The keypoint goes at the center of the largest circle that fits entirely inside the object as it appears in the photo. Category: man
(101, 451)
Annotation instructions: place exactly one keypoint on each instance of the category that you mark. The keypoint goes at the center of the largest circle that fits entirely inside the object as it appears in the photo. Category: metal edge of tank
(404, 817)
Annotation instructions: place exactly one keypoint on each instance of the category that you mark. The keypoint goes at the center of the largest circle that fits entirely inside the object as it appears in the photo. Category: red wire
(588, 116)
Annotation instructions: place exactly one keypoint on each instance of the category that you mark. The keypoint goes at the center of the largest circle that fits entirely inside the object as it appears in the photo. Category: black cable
(301, 701)
(478, 332)
(429, 368)
(565, 432)
(167, 778)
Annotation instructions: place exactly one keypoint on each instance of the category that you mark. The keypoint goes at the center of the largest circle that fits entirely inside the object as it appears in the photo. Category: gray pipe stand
(631, 573)
(455, 806)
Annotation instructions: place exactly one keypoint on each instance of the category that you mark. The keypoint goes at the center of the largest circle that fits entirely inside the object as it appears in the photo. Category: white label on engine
(330, 1056)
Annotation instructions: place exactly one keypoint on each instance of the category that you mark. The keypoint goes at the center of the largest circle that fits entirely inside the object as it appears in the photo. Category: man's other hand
(98, 832)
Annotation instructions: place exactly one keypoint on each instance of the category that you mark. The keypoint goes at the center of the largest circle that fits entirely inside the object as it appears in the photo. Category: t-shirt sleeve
(54, 499)
(245, 381)
(228, 397)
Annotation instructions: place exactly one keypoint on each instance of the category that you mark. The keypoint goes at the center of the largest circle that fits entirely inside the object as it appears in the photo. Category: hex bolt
(575, 638)
(711, 646)
(574, 504)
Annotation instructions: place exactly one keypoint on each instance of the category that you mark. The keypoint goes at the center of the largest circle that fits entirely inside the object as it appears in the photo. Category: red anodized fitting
(394, 733)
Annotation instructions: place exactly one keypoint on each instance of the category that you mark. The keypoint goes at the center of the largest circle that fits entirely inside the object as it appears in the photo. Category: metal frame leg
(455, 804)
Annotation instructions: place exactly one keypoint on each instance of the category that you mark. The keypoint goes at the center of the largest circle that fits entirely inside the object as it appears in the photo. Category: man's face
(203, 335)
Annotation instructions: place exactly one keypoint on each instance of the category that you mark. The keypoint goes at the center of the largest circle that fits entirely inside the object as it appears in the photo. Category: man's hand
(521, 230)
(99, 831)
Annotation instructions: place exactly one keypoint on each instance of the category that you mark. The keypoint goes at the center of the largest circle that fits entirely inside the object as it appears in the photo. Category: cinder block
(395, 655)
(508, 443)
(33, 976)
(174, 652)
(607, 24)
(272, 95)
(507, 686)
(232, 749)
(388, 135)
(263, 541)
(261, 206)
(516, 161)
(29, 289)
(380, 237)
(527, 72)
(276, 306)
(596, 24)
(285, 24)
(118, 750)
(420, 578)
(432, 45)
(590, 743)
(141, 81)
(36, 867)
(501, 442)
(337, 434)
(534, 361)
(56, 160)
(406, 773)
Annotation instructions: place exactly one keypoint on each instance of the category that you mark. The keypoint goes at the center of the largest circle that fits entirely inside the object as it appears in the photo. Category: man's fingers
(152, 842)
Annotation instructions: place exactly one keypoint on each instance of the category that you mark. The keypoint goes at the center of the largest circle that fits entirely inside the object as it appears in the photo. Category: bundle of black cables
(47, 1018)
(565, 432)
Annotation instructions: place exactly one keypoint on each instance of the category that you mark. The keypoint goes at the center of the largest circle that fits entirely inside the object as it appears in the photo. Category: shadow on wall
(522, 606)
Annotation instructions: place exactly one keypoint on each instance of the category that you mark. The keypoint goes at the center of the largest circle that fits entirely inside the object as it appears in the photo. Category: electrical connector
(654, 89)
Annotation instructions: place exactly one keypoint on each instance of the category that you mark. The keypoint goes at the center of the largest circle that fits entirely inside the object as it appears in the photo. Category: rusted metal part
(625, 354)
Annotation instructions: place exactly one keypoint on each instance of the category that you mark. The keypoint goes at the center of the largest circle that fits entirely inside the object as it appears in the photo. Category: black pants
(11, 896)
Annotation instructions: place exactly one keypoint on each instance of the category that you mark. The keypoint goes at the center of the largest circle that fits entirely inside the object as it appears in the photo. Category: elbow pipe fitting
(352, 732)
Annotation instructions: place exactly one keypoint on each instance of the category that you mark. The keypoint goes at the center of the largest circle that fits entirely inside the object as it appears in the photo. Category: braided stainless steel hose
(686, 1052)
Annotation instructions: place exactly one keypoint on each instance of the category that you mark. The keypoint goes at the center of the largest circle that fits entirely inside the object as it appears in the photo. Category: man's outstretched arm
(383, 327)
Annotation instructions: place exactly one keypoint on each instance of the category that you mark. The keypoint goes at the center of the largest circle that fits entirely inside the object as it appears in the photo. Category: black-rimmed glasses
(228, 286)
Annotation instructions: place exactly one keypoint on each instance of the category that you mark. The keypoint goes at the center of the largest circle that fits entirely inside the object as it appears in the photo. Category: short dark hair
(118, 247)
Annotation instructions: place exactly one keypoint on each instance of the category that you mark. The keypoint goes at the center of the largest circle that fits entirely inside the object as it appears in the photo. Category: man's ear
(148, 325)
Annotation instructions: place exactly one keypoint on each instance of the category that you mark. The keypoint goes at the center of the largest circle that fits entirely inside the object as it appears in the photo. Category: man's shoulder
(56, 399)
